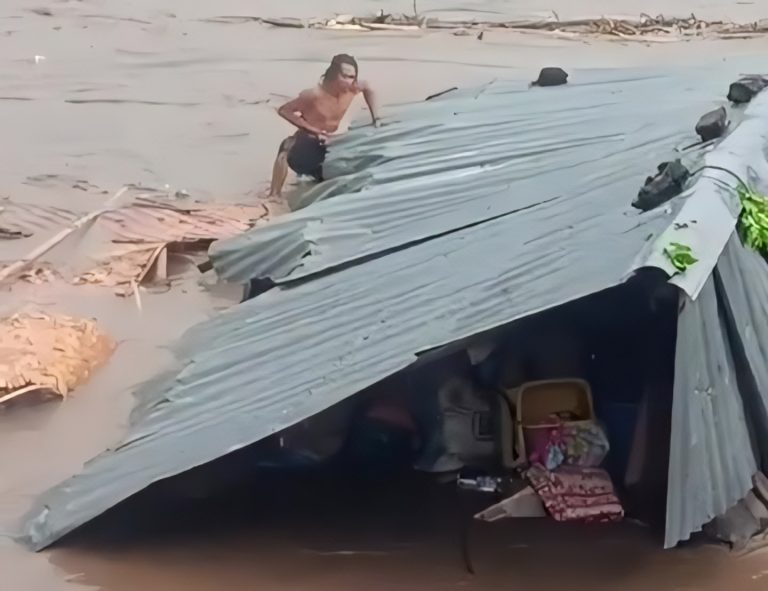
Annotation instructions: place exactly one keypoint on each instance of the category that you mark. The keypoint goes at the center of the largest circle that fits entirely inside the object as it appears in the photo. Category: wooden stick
(24, 390)
(441, 93)
(36, 253)
(152, 264)
(338, 27)
(291, 23)
(389, 27)
(137, 295)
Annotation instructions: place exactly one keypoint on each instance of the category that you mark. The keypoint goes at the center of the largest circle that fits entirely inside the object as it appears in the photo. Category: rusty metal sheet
(26, 219)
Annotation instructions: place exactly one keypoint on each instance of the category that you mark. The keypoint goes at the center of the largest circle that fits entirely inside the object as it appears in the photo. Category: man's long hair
(335, 68)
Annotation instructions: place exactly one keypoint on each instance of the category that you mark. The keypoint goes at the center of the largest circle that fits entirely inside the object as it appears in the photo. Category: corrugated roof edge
(711, 463)
(708, 217)
(705, 221)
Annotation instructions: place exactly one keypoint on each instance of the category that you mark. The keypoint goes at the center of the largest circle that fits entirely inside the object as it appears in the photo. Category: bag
(712, 125)
(747, 88)
(668, 182)
(586, 444)
(464, 435)
(551, 77)
(578, 443)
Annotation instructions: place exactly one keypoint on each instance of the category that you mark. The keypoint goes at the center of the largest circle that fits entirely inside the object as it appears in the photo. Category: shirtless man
(317, 114)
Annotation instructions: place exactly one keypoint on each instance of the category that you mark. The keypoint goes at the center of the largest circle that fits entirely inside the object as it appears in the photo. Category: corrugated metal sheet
(302, 347)
(711, 462)
(294, 351)
(158, 222)
(743, 280)
(720, 427)
(27, 218)
(124, 243)
(471, 156)
(707, 219)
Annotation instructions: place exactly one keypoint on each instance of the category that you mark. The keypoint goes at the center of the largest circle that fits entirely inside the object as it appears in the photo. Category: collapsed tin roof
(462, 214)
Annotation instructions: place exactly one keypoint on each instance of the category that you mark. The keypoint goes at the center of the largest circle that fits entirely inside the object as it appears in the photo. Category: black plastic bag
(551, 77)
(747, 88)
(666, 184)
(712, 125)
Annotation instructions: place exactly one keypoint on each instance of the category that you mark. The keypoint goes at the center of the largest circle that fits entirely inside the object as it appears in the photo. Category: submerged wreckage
(475, 224)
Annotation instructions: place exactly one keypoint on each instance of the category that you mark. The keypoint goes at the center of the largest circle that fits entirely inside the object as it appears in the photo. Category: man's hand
(371, 101)
(292, 112)
(316, 132)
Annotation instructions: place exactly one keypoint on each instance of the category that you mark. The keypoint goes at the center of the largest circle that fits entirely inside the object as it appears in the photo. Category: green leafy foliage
(753, 220)
(681, 256)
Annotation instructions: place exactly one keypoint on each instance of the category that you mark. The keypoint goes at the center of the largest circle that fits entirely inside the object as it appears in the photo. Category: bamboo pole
(19, 266)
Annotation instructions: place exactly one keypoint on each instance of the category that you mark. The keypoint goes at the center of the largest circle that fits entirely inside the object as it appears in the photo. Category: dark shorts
(307, 155)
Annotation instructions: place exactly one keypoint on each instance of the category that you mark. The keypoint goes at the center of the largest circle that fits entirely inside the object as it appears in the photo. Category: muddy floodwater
(97, 94)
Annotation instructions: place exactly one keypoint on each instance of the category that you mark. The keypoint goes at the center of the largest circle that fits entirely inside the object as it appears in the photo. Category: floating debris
(130, 243)
(141, 235)
(21, 220)
(646, 28)
(49, 353)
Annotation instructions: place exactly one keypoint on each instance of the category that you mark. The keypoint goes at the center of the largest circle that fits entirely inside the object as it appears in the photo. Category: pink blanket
(572, 493)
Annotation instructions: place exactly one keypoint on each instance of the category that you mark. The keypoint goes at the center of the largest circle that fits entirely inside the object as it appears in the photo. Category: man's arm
(370, 99)
(292, 113)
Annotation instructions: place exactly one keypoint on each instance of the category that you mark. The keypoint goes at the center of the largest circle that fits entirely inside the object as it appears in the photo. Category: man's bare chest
(332, 108)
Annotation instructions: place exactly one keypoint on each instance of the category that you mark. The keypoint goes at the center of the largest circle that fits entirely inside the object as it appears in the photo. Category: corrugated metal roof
(156, 221)
(707, 219)
(470, 156)
(27, 218)
(300, 348)
(711, 463)
(294, 351)
(743, 279)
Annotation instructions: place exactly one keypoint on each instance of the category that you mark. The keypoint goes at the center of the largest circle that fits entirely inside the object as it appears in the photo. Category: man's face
(347, 76)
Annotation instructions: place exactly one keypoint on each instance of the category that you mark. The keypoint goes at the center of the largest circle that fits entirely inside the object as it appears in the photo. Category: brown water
(146, 92)
(600, 561)
(390, 536)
